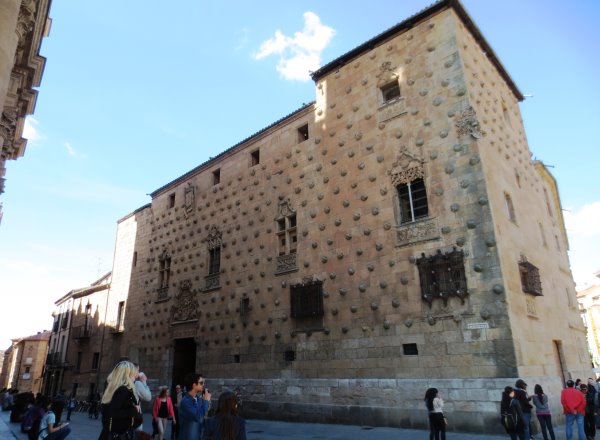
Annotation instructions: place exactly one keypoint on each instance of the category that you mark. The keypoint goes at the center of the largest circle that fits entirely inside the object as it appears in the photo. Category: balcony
(162, 294)
(82, 332)
(212, 281)
(116, 327)
(53, 359)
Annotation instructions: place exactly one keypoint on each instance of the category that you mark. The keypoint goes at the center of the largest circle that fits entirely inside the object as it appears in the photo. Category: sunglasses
(200, 382)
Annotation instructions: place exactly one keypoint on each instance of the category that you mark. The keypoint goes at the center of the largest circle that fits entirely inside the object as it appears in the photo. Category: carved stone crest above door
(186, 304)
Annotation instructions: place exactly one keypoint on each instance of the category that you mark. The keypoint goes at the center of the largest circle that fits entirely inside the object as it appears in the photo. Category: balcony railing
(53, 359)
(117, 327)
(212, 281)
(162, 294)
(82, 332)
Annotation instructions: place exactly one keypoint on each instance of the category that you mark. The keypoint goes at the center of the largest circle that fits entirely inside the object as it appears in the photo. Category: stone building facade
(589, 307)
(393, 235)
(24, 363)
(87, 331)
(23, 24)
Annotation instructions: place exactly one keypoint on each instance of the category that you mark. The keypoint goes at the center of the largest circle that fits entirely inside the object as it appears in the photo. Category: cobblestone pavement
(84, 428)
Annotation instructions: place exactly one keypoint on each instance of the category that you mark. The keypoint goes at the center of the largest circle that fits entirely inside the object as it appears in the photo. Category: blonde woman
(162, 411)
(121, 412)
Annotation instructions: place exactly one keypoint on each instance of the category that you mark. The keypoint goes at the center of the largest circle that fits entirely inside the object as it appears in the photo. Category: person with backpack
(511, 415)
(48, 428)
(542, 411)
(33, 414)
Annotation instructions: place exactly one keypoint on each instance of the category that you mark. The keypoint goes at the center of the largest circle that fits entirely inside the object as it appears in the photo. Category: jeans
(527, 420)
(517, 435)
(569, 426)
(60, 434)
(546, 426)
(439, 426)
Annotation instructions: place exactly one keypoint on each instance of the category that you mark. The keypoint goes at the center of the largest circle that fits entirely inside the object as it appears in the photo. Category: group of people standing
(122, 415)
(579, 402)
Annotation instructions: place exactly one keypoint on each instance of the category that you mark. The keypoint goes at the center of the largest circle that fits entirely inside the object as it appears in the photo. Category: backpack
(29, 418)
(509, 421)
(34, 431)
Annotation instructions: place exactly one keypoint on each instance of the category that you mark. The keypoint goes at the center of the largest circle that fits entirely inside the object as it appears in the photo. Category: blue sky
(136, 93)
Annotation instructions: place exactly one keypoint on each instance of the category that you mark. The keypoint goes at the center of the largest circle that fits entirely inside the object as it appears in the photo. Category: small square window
(390, 91)
(216, 176)
(255, 157)
(303, 133)
(289, 355)
(236, 359)
(410, 349)
(172, 200)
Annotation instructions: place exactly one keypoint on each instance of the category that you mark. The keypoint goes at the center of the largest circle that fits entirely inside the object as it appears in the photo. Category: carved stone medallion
(186, 304)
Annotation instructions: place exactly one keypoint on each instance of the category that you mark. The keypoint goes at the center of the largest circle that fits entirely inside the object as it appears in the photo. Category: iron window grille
(307, 300)
(442, 275)
(530, 278)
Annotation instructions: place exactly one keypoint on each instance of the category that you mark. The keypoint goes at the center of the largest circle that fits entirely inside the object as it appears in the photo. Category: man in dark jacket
(523, 398)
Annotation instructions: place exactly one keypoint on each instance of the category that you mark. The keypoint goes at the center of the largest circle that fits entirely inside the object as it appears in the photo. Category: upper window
(442, 276)
(390, 91)
(214, 265)
(510, 209)
(216, 176)
(413, 201)
(530, 278)
(164, 270)
(171, 200)
(255, 157)
(303, 133)
(286, 232)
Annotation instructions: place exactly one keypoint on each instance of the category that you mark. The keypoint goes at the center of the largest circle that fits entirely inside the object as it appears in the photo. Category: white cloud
(301, 53)
(583, 229)
(70, 149)
(30, 131)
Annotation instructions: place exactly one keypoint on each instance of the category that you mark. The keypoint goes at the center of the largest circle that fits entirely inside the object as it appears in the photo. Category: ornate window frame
(442, 275)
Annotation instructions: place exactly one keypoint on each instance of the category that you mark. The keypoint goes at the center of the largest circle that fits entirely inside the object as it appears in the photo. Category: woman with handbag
(121, 411)
(162, 411)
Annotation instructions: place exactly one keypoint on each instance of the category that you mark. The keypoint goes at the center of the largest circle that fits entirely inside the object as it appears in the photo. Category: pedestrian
(162, 411)
(573, 404)
(60, 401)
(143, 391)
(193, 407)
(50, 427)
(121, 412)
(176, 401)
(437, 421)
(71, 404)
(542, 411)
(226, 424)
(511, 415)
(524, 399)
(589, 418)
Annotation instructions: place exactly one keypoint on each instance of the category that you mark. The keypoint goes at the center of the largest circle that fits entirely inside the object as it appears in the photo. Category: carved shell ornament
(215, 238)
(186, 304)
(387, 73)
(468, 125)
(407, 167)
(189, 205)
(285, 208)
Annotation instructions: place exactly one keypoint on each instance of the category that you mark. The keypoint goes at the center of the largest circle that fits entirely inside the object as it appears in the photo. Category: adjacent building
(392, 235)
(23, 24)
(24, 363)
(589, 306)
(88, 324)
